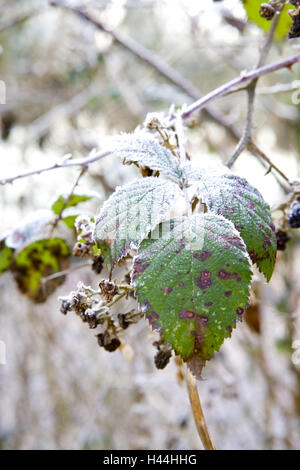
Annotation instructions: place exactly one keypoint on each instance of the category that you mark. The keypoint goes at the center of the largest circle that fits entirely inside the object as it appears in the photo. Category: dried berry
(123, 320)
(108, 342)
(81, 249)
(267, 11)
(162, 358)
(127, 279)
(282, 238)
(294, 218)
(295, 28)
(65, 307)
(108, 290)
(97, 265)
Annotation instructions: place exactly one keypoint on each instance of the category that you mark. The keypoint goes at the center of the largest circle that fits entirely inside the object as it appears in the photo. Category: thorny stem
(198, 412)
(232, 84)
(254, 149)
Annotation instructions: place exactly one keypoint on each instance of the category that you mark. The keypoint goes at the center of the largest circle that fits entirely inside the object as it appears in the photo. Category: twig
(69, 197)
(255, 150)
(168, 72)
(39, 126)
(64, 272)
(246, 136)
(232, 84)
(181, 139)
(85, 162)
(198, 413)
(155, 62)
(278, 88)
(19, 19)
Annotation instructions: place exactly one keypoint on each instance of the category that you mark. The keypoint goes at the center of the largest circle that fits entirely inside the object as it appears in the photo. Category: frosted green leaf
(143, 149)
(38, 260)
(6, 256)
(252, 8)
(132, 211)
(64, 202)
(192, 279)
(232, 197)
(33, 228)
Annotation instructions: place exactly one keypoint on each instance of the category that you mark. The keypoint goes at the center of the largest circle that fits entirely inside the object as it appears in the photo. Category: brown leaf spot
(240, 311)
(186, 314)
(222, 274)
(202, 256)
(138, 268)
(228, 293)
(204, 280)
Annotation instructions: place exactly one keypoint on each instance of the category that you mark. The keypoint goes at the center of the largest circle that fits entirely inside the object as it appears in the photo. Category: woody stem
(198, 412)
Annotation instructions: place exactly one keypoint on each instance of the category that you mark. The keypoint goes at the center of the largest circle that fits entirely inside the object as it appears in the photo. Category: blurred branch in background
(70, 82)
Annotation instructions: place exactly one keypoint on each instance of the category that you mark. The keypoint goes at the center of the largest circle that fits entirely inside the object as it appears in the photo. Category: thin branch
(64, 272)
(168, 72)
(40, 125)
(255, 150)
(69, 197)
(155, 62)
(181, 139)
(66, 163)
(246, 136)
(278, 88)
(232, 84)
(198, 413)
(19, 19)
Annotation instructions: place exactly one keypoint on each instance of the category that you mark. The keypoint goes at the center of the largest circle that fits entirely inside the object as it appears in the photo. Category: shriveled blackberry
(65, 307)
(123, 320)
(267, 11)
(97, 265)
(162, 358)
(295, 28)
(108, 342)
(108, 290)
(282, 238)
(294, 218)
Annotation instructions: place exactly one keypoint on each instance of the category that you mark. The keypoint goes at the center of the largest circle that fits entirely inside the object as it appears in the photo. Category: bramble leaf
(34, 228)
(144, 150)
(69, 221)
(38, 260)
(252, 8)
(61, 202)
(192, 280)
(6, 256)
(232, 197)
(132, 211)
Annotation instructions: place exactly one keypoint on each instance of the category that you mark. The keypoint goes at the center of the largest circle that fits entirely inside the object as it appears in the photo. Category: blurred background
(69, 84)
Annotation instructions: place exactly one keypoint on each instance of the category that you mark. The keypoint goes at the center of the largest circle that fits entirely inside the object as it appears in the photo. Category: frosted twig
(66, 163)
